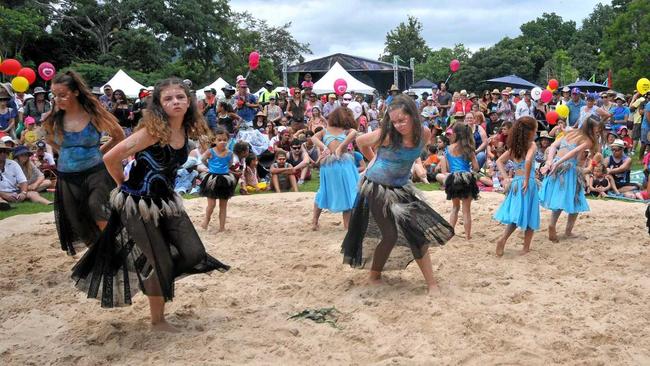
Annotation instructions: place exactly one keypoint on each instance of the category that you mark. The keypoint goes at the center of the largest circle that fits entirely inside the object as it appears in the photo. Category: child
(622, 133)
(600, 183)
(373, 116)
(240, 151)
(563, 187)
(460, 183)
(338, 174)
(30, 135)
(251, 178)
(432, 161)
(219, 183)
(307, 83)
(389, 215)
(282, 173)
(520, 209)
(559, 130)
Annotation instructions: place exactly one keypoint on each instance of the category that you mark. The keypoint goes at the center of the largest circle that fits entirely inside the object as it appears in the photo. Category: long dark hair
(155, 119)
(114, 100)
(520, 137)
(103, 120)
(464, 138)
(407, 105)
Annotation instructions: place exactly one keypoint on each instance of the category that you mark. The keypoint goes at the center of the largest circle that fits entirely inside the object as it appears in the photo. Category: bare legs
(528, 237)
(467, 215)
(316, 215)
(158, 322)
(209, 209)
(552, 226)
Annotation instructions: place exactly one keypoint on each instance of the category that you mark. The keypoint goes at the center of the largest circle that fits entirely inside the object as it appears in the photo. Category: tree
(18, 27)
(626, 45)
(559, 67)
(545, 35)
(406, 42)
(436, 65)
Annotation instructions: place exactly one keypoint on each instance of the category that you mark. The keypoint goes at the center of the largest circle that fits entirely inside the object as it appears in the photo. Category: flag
(610, 82)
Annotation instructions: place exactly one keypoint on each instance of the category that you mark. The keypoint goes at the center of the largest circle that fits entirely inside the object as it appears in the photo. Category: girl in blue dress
(563, 189)
(392, 224)
(460, 184)
(219, 183)
(338, 173)
(520, 209)
(149, 241)
(83, 185)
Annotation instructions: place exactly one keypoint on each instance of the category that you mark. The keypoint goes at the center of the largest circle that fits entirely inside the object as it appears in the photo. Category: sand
(583, 301)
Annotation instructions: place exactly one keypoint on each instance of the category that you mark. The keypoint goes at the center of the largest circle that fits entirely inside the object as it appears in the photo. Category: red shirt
(464, 106)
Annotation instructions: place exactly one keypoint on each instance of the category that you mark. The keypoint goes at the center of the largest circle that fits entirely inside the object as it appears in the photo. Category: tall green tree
(626, 45)
(543, 36)
(559, 67)
(19, 27)
(436, 65)
(406, 42)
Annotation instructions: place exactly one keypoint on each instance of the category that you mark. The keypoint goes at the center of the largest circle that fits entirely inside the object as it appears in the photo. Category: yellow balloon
(20, 84)
(643, 86)
(563, 111)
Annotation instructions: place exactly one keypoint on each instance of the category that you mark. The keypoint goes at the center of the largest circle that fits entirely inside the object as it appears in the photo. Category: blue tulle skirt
(564, 190)
(339, 179)
(520, 208)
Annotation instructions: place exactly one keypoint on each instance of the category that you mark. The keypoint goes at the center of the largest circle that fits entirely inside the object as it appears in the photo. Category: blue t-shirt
(358, 158)
(619, 113)
(646, 123)
(247, 113)
(4, 118)
(574, 111)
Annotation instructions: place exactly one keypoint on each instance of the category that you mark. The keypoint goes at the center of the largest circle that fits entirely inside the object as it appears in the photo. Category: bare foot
(501, 244)
(569, 234)
(222, 229)
(204, 225)
(433, 290)
(375, 278)
(163, 326)
(524, 251)
(552, 235)
(315, 227)
(468, 236)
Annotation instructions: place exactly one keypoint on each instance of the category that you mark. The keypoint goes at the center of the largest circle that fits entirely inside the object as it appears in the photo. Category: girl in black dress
(149, 241)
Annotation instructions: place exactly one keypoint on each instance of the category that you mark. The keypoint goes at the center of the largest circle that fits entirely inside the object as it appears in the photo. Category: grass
(26, 208)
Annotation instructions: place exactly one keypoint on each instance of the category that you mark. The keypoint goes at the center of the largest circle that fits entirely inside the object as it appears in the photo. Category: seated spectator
(543, 142)
(419, 172)
(284, 141)
(13, 183)
(619, 165)
(623, 135)
(502, 136)
(559, 130)
(44, 160)
(299, 159)
(600, 182)
(186, 180)
(606, 149)
(311, 149)
(282, 173)
(432, 161)
(251, 178)
(36, 180)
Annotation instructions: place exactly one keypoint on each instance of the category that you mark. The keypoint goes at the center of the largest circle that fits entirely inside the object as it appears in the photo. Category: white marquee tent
(326, 83)
(124, 82)
(217, 85)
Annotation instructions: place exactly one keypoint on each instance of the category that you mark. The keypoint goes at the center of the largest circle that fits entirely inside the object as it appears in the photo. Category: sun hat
(6, 139)
(545, 135)
(495, 91)
(3, 146)
(21, 150)
(459, 115)
(29, 120)
(39, 90)
(332, 96)
(281, 129)
(620, 129)
(618, 143)
(611, 92)
(228, 88)
(463, 92)
(96, 90)
(566, 89)
(620, 96)
(575, 91)
(472, 96)
(394, 88)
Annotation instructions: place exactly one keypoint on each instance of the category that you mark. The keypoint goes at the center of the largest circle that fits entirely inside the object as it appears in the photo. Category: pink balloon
(454, 65)
(340, 86)
(46, 71)
(253, 60)
(546, 96)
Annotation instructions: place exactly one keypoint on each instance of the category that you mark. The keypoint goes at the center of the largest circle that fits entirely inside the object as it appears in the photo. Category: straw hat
(495, 91)
(545, 135)
(394, 88)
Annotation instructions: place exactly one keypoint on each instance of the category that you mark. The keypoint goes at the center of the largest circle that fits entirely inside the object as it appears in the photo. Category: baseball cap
(575, 91)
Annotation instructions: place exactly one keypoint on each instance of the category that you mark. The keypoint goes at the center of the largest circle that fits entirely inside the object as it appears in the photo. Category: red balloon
(28, 74)
(340, 86)
(553, 84)
(454, 65)
(10, 66)
(552, 117)
(253, 60)
(546, 97)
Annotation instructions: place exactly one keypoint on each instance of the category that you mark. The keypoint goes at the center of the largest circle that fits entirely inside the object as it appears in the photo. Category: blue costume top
(80, 150)
(153, 172)
(219, 164)
(328, 138)
(457, 163)
(392, 167)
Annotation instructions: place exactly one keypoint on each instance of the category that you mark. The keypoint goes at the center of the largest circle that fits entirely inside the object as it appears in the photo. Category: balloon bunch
(25, 76)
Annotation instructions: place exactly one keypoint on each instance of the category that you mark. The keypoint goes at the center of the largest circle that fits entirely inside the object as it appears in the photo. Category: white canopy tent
(326, 84)
(124, 82)
(217, 85)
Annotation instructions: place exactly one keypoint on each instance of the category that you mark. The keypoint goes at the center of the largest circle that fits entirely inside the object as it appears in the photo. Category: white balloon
(356, 109)
(536, 93)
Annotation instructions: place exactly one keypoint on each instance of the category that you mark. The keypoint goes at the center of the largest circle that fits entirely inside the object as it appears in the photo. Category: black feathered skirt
(461, 185)
(147, 245)
(218, 186)
(80, 200)
(403, 210)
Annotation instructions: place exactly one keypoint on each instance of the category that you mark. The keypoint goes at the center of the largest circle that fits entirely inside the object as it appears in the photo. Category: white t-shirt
(524, 110)
(12, 176)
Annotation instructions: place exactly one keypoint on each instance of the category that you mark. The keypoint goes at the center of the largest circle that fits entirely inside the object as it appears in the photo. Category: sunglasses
(347, 100)
(295, 147)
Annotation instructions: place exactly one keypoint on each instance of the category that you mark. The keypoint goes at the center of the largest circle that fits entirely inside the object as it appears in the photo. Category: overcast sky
(359, 27)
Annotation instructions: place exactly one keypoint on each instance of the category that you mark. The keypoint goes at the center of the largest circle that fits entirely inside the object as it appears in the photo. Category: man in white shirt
(525, 107)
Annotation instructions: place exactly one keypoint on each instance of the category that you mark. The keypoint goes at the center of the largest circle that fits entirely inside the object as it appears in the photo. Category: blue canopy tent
(424, 84)
(513, 81)
(585, 85)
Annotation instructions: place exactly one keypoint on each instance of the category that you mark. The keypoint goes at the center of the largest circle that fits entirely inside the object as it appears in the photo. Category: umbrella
(585, 85)
(424, 84)
(513, 81)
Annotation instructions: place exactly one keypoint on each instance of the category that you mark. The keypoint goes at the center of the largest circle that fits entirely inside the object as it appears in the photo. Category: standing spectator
(266, 96)
(330, 105)
(122, 110)
(575, 104)
(645, 127)
(140, 105)
(273, 111)
(525, 107)
(13, 183)
(619, 112)
(296, 111)
(316, 120)
(566, 96)
(106, 99)
(506, 108)
(637, 107)
(246, 104)
(463, 105)
(37, 106)
(444, 100)
(36, 181)
(591, 109)
(209, 108)
(492, 105)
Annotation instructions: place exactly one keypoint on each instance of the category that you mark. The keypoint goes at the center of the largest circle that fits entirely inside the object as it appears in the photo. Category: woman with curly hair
(74, 129)
(149, 241)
